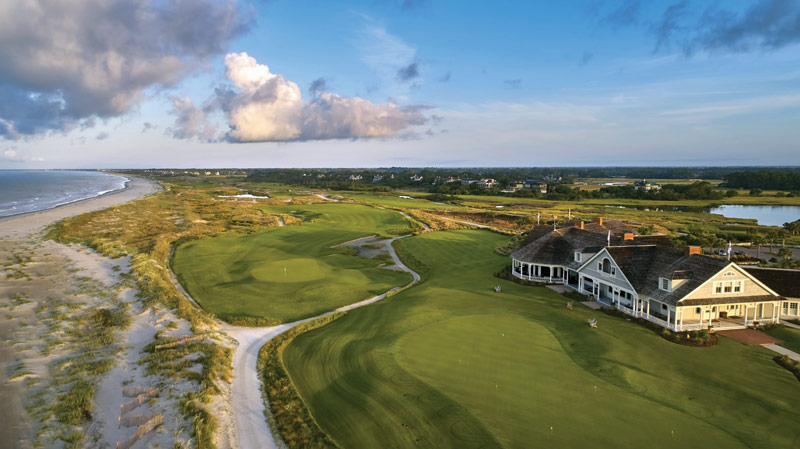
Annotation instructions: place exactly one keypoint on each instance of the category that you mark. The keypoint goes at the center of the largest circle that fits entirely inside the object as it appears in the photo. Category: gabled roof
(643, 265)
(557, 247)
(782, 281)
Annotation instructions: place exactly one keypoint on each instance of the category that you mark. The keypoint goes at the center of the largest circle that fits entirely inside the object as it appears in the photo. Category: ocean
(23, 191)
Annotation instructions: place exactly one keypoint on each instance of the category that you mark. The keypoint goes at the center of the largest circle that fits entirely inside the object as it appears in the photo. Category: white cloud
(265, 107)
(67, 62)
(12, 155)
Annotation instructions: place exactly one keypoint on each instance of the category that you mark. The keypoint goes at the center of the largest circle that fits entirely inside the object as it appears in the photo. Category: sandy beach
(37, 273)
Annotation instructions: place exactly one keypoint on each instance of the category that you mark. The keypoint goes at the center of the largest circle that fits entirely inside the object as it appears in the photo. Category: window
(577, 256)
(664, 284)
(697, 310)
(728, 287)
(729, 274)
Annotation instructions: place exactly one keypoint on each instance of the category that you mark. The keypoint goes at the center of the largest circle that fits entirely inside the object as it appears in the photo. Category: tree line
(764, 179)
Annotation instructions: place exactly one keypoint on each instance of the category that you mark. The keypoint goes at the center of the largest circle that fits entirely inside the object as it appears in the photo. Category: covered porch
(693, 317)
(727, 316)
(551, 274)
(604, 292)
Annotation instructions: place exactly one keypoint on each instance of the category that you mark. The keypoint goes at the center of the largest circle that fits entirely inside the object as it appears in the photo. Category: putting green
(451, 363)
(290, 270)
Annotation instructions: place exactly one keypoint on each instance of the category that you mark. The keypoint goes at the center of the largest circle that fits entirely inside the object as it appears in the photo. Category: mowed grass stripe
(363, 375)
(289, 273)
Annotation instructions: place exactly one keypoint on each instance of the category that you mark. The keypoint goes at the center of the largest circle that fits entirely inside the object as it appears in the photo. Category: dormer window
(607, 267)
(664, 284)
(578, 256)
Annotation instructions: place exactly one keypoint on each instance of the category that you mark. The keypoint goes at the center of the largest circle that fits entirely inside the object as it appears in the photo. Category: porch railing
(547, 280)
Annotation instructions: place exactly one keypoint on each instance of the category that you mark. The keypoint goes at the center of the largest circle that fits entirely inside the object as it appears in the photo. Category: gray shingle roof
(557, 247)
(782, 281)
(643, 265)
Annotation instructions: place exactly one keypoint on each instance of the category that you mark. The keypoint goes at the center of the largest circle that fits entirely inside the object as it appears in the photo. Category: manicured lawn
(450, 363)
(790, 337)
(291, 272)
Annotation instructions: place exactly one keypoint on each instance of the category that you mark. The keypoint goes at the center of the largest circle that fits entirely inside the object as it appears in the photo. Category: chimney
(627, 236)
(690, 250)
(598, 220)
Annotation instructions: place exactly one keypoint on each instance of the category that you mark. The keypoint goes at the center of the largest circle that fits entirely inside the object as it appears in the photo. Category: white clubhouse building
(644, 277)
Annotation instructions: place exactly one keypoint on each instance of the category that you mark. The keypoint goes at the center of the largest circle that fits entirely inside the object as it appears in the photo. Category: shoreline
(135, 188)
(126, 186)
(49, 272)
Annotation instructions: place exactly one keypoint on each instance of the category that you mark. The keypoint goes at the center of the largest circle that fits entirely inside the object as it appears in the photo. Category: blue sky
(411, 83)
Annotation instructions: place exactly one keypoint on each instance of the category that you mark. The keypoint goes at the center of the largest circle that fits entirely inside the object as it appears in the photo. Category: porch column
(702, 312)
(681, 316)
(551, 273)
(648, 308)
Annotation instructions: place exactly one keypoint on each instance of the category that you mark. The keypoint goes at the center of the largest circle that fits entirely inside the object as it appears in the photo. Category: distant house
(468, 181)
(645, 186)
(487, 183)
(515, 185)
(533, 184)
(452, 179)
(529, 184)
(416, 178)
(678, 290)
(377, 178)
(355, 178)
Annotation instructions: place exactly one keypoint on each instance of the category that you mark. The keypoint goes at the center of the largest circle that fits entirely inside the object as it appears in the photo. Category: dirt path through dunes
(464, 222)
(248, 405)
(424, 225)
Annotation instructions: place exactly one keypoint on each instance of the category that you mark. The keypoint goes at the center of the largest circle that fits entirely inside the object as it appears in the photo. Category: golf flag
(729, 249)
(609, 237)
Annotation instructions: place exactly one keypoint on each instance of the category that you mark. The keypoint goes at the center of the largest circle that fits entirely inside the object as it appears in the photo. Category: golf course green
(292, 272)
(451, 363)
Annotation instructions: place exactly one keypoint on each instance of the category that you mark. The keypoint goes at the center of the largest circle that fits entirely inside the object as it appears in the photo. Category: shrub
(791, 365)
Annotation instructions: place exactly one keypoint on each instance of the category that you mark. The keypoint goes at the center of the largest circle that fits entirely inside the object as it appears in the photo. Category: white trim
(619, 270)
(737, 267)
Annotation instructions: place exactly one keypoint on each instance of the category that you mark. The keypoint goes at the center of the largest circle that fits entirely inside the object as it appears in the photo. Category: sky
(379, 83)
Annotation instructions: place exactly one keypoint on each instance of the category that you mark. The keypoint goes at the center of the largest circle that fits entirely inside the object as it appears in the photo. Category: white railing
(660, 322)
(627, 310)
(555, 280)
(692, 327)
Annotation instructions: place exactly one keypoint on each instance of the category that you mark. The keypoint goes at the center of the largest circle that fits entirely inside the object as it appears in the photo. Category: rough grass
(288, 273)
(450, 363)
(288, 414)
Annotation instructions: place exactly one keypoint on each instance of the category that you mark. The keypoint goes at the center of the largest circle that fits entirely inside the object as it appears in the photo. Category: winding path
(248, 404)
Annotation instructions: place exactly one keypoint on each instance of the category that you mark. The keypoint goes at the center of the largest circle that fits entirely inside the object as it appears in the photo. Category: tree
(758, 240)
(756, 192)
(786, 253)
(793, 227)
(731, 193)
